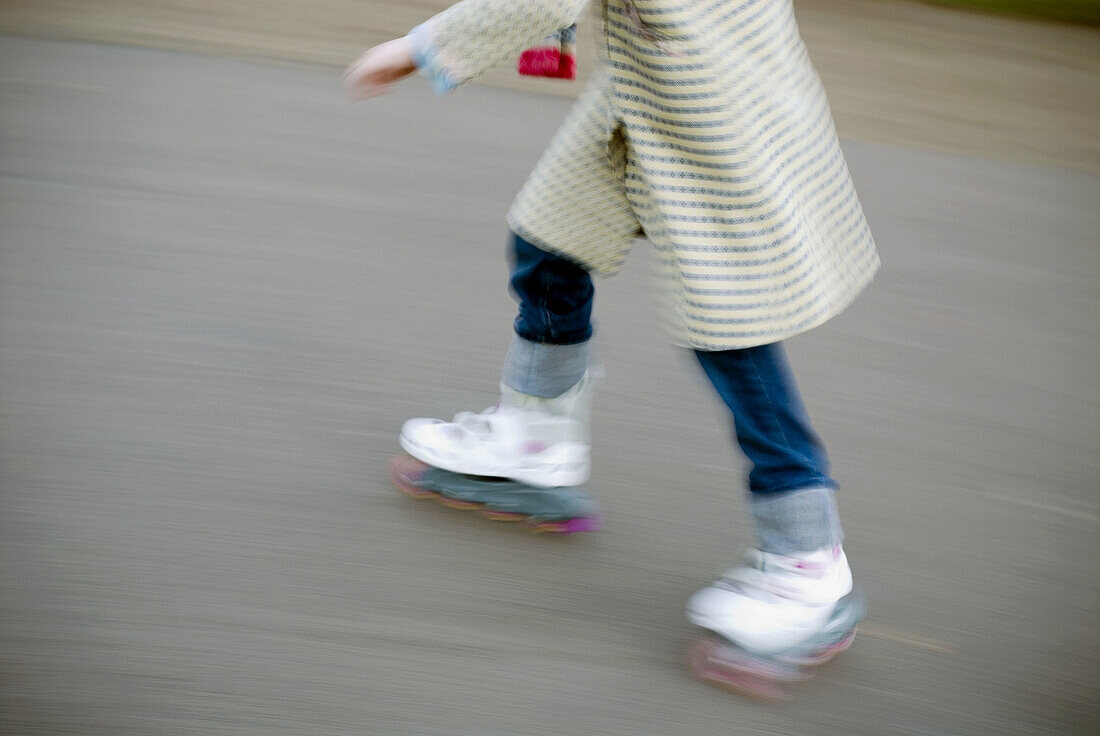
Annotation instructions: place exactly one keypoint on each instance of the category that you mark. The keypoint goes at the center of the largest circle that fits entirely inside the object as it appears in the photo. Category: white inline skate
(524, 459)
(773, 619)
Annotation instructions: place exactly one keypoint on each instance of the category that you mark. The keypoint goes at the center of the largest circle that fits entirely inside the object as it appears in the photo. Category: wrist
(425, 57)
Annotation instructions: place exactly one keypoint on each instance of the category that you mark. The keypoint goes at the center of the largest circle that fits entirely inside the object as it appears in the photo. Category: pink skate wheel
(709, 663)
(405, 472)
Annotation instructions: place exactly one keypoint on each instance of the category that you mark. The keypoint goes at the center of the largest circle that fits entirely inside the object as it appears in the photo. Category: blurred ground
(222, 288)
(897, 71)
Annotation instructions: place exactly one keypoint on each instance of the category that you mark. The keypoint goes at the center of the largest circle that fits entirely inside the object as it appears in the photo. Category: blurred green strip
(1070, 11)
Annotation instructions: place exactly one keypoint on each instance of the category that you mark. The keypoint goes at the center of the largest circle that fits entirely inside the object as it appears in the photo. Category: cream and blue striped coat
(707, 131)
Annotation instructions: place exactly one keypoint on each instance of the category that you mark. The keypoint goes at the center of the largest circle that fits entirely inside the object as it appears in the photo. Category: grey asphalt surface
(223, 288)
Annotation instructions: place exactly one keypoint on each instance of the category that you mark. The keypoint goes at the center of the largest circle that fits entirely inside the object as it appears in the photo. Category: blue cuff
(426, 56)
(544, 370)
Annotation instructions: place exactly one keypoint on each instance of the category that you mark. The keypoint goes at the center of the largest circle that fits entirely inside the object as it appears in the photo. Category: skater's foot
(773, 619)
(773, 602)
(536, 441)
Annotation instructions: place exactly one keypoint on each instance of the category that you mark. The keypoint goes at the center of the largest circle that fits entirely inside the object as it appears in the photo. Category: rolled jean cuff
(544, 370)
(797, 521)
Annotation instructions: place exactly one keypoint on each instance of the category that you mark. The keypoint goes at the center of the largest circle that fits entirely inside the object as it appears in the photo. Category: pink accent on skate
(582, 524)
(816, 567)
(534, 447)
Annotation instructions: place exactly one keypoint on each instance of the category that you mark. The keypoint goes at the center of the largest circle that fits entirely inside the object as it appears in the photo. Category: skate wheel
(405, 472)
(567, 526)
(716, 663)
(408, 475)
(415, 492)
(454, 503)
(501, 515)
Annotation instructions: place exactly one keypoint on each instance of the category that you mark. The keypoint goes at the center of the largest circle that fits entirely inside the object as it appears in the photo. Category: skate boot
(772, 620)
(521, 460)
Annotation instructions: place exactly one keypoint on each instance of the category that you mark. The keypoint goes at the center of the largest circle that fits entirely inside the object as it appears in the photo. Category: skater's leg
(538, 432)
(549, 353)
(792, 600)
(792, 493)
(554, 294)
(537, 435)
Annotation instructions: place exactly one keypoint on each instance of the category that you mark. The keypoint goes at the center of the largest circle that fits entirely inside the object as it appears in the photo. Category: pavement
(223, 288)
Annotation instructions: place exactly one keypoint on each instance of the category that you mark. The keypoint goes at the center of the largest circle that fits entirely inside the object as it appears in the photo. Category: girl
(706, 131)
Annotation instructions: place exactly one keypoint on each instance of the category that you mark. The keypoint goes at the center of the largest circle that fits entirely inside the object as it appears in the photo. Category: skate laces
(467, 423)
(766, 577)
(475, 421)
(536, 422)
(499, 420)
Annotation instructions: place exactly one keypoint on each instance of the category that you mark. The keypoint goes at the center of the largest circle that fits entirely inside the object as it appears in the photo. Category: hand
(374, 72)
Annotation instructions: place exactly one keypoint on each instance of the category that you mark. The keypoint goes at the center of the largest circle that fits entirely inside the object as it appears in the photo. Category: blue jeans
(555, 296)
(771, 425)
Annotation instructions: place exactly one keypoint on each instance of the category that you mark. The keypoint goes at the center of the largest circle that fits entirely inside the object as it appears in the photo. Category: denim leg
(770, 421)
(792, 501)
(555, 296)
(550, 351)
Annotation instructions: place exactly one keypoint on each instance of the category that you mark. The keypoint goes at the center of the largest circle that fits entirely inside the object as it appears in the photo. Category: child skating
(707, 132)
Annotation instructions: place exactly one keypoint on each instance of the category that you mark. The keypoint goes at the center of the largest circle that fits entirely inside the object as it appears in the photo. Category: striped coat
(707, 131)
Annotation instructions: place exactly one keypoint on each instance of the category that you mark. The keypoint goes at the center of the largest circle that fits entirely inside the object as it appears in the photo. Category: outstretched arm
(374, 72)
(461, 43)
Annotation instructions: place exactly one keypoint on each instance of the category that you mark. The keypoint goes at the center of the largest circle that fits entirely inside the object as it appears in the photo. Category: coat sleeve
(472, 37)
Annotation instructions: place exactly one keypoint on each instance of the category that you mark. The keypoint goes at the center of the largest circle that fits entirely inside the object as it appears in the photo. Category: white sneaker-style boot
(540, 442)
(774, 603)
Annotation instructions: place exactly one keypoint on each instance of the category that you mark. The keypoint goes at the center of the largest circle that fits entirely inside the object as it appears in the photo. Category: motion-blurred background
(223, 287)
(995, 77)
